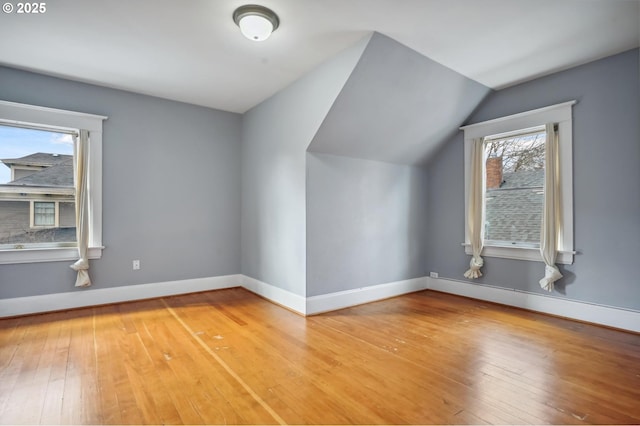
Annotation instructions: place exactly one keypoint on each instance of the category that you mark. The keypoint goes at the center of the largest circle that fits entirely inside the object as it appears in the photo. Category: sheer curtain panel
(475, 218)
(80, 164)
(551, 211)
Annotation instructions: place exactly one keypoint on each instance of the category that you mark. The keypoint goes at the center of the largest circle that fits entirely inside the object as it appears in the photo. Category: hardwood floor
(230, 357)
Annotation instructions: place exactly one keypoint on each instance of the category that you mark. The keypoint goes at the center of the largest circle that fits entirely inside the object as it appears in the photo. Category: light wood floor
(231, 357)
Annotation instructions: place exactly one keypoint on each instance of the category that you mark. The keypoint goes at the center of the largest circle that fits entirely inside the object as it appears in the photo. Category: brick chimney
(494, 172)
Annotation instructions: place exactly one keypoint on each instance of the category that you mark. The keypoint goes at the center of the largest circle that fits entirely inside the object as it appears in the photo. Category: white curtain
(475, 217)
(551, 210)
(80, 164)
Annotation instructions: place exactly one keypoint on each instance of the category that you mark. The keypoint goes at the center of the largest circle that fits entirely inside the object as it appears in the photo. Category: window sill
(45, 255)
(520, 253)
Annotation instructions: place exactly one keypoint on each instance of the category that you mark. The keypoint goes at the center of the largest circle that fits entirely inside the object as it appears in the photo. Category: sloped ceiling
(397, 106)
(191, 51)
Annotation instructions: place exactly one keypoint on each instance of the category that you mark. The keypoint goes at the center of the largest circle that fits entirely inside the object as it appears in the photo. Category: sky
(16, 142)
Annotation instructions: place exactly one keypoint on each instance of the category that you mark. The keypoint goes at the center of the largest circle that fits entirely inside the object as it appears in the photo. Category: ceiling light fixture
(256, 22)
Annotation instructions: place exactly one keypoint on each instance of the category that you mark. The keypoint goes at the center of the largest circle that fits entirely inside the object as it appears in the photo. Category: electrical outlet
(433, 274)
(136, 265)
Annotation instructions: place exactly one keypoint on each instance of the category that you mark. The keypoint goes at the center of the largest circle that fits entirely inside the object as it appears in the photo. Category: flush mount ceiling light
(256, 22)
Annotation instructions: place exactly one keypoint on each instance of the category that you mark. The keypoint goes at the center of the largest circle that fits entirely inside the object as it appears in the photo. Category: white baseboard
(593, 313)
(345, 299)
(277, 295)
(332, 301)
(305, 306)
(598, 314)
(102, 296)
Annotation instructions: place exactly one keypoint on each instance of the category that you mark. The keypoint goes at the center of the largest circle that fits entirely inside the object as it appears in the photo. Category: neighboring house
(38, 204)
(514, 203)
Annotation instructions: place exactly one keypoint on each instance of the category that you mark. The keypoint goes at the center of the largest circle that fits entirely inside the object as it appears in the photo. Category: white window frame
(560, 114)
(17, 114)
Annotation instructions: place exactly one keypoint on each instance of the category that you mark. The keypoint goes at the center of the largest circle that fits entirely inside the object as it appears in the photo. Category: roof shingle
(514, 211)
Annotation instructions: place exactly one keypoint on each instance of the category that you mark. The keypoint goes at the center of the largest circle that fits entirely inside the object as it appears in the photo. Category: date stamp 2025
(24, 8)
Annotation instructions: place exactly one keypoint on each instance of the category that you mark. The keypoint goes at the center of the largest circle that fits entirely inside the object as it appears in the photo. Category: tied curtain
(551, 211)
(80, 164)
(475, 219)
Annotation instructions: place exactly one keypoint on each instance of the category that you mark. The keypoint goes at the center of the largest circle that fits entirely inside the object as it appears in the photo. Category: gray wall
(606, 173)
(366, 223)
(275, 136)
(181, 195)
(67, 215)
(14, 216)
(171, 187)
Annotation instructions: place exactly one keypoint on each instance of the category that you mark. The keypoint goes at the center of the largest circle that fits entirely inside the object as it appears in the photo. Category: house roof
(51, 235)
(514, 211)
(43, 159)
(60, 175)
(57, 171)
(524, 178)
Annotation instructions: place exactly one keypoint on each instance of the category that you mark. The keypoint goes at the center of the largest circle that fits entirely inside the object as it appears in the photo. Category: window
(36, 188)
(514, 182)
(37, 193)
(44, 214)
(514, 188)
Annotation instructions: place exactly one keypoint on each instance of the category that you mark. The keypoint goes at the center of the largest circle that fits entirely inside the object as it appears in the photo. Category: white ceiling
(191, 51)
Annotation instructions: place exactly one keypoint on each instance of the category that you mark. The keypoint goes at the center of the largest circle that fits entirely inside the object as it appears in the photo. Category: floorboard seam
(224, 365)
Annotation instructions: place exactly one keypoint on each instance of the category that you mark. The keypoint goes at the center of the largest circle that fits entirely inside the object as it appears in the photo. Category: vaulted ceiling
(191, 51)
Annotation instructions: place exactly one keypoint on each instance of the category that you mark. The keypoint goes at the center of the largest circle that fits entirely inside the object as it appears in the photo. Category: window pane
(514, 190)
(36, 165)
(44, 214)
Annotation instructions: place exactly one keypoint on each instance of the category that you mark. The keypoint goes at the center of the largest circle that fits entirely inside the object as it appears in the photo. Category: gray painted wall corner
(275, 137)
(366, 223)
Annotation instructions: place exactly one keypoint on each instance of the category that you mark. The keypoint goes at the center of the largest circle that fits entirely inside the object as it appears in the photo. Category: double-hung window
(38, 187)
(514, 188)
(44, 214)
(510, 212)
